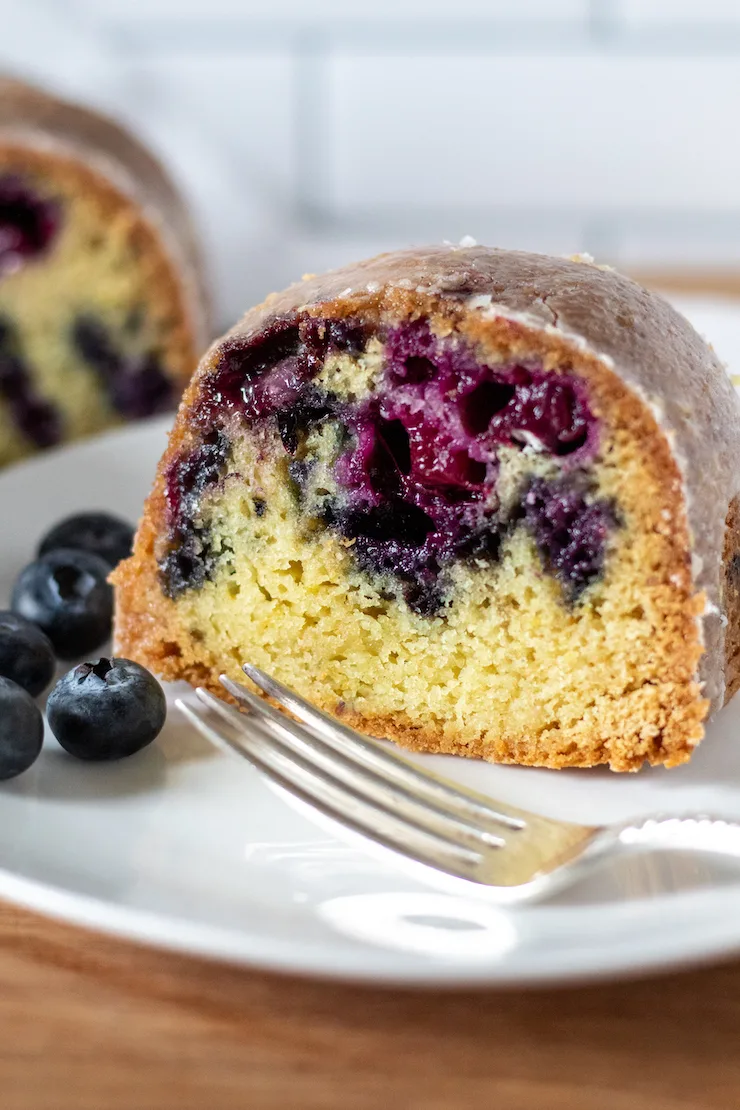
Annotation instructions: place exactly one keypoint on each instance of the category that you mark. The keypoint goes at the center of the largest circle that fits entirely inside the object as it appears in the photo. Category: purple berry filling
(28, 224)
(190, 560)
(429, 441)
(417, 481)
(38, 419)
(570, 533)
(136, 384)
(269, 375)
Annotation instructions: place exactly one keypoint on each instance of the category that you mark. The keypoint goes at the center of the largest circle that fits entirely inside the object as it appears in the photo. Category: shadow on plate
(61, 778)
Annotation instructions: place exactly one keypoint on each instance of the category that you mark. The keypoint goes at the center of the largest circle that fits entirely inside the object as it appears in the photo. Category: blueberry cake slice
(477, 501)
(102, 311)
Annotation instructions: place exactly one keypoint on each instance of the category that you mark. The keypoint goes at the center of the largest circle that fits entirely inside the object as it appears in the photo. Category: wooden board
(89, 1023)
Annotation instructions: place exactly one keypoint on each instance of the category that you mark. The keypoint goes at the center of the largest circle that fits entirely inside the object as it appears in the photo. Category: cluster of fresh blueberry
(62, 608)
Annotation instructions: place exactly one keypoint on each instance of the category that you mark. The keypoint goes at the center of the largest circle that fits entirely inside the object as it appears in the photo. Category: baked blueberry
(28, 223)
(26, 654)
(136, 384)
(99, 533)
(66, 593)
(190, 560)
(106, 710)
(37, 418)
(21, 729)
(571, 534)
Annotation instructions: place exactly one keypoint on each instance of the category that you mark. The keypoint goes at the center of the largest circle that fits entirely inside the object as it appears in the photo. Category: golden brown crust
(731, 597)
(655, 723)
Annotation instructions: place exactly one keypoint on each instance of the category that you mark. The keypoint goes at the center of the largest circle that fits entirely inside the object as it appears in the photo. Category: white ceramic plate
(187, 848)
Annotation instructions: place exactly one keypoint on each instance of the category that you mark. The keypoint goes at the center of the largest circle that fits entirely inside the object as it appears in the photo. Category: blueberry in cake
(102, 310)
(478, 501)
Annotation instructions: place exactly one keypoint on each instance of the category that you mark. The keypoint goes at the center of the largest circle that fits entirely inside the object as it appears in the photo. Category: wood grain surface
(90, 1023)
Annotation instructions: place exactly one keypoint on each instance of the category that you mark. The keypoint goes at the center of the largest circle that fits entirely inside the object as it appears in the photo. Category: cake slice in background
(103, 311)
(481, 502)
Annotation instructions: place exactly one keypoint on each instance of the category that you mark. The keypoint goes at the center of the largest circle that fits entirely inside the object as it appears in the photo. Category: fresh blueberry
(26, 654)
(99, 533)
(106, 710)
(21, 729)
(67, 595)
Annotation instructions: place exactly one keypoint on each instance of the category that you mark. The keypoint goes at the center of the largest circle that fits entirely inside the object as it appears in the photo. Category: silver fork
(422, 817)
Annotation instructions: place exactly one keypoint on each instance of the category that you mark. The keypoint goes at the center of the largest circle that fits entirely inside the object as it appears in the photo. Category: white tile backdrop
(309, 132)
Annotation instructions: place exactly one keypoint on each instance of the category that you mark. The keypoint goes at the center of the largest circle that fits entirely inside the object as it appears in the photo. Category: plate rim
(169, 933)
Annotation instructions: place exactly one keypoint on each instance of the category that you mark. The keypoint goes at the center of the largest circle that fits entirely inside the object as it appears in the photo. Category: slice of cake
(476, 501)
(102, 310)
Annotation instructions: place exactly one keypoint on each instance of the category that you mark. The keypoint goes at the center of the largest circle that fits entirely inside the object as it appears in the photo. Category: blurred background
(311, 132)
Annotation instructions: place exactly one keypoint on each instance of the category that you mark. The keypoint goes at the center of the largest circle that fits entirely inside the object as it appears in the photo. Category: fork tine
(435, 789)
(298, 740)
(331, 798)
(224, 739)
